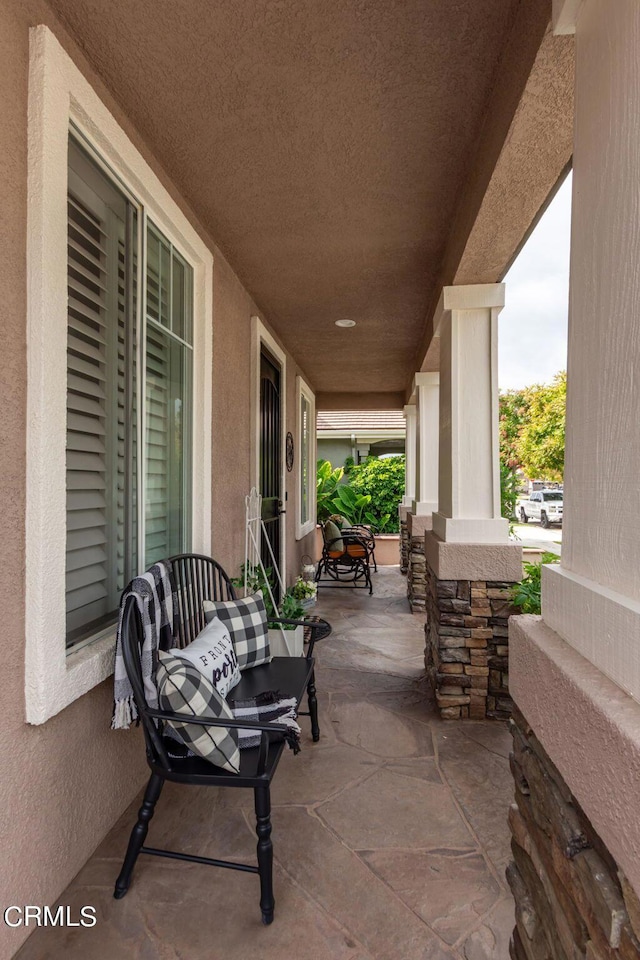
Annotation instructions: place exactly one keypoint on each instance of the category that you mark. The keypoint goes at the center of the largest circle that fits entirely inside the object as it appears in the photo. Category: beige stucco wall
(64, 783)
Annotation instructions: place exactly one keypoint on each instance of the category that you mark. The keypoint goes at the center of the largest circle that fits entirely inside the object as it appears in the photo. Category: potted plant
(285, 639)
(305, 592)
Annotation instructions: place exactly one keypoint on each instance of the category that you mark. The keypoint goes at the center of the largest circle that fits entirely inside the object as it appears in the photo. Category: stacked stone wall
(467, 646)
(417, 575)
(405, 546)
(572, 900)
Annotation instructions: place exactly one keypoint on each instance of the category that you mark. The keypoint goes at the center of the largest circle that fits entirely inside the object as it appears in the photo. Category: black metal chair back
(197, 578)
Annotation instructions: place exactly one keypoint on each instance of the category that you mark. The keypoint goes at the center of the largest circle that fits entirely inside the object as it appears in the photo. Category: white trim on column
(607, 635)
(261, 335)
(410, 416)
(564, 16)
(58, 95)
(425, 500)
(304, 390)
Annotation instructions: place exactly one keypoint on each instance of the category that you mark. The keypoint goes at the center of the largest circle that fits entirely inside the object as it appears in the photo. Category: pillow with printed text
(213, 654)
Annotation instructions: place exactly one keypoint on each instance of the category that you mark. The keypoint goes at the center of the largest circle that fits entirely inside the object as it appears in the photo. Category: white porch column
(593, 599)
(469, 475)
(410, 455)
(427, 389)
(584, 656)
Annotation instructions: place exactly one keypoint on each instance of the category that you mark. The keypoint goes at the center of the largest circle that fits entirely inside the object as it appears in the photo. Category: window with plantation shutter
(121, 519)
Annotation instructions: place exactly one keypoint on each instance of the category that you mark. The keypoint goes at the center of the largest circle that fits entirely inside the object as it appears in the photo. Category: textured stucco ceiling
(323, 143)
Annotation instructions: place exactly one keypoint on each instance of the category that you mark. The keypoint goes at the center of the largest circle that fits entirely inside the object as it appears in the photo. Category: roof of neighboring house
(360, 421)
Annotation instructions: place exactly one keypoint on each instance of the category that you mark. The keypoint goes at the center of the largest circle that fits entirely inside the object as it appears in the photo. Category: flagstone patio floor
(390, 834)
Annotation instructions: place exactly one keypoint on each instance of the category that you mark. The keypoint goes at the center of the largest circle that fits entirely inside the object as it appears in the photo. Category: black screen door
(270, 461)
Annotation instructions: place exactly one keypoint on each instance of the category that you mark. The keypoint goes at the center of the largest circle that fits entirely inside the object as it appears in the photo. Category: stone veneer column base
(468, 609)
(467, 647)
(405, 546)
(417, 525)
(572, 899)
(417, 576)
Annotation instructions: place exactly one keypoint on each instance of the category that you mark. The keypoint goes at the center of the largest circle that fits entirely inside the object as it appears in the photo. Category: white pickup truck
(542, 505)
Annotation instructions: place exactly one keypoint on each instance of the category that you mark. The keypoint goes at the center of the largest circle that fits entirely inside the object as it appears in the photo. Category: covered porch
(218, 219)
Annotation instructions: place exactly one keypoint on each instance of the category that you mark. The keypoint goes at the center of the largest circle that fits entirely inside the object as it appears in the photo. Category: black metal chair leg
(265, 852)
(138, 834)
(313, 707)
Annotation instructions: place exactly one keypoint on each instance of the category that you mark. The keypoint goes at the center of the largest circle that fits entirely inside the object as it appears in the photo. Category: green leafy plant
(383, 480)
(371, 496)
(327, 481)
(303, 589)
(353, 506)
(508, 492)
(290, 607)
(509, 497)
(527, 594)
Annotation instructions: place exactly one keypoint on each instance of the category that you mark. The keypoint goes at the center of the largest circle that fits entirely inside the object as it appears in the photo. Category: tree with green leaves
(513, 412)
(532, 425)
(542, 435)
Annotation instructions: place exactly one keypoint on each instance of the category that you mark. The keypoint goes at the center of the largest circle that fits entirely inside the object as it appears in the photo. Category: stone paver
(390, 835)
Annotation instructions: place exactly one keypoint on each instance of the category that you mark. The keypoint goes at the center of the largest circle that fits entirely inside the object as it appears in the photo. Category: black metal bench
(198, 578)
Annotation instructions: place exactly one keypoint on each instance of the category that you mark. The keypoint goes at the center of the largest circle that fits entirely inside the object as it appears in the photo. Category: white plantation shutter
(95, 398)
(103, 384)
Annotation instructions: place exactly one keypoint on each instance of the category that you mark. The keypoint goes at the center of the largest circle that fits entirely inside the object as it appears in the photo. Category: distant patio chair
(345, 560)
(365, 532)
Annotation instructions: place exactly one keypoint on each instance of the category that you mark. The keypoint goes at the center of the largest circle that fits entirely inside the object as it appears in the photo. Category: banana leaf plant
(326, 485)
(354, 507)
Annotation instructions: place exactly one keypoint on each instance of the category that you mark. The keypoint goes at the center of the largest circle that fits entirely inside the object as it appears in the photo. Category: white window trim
(304, 390)
(261, 336)
(58, 95)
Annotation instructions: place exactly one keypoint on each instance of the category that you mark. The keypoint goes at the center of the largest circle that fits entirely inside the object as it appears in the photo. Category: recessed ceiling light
(345, 323)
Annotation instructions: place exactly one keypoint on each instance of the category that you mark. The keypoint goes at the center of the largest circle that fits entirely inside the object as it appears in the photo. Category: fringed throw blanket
(157, 606)
(268, 707)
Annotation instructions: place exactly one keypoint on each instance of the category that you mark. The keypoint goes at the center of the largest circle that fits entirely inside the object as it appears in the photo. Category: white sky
(532, 342)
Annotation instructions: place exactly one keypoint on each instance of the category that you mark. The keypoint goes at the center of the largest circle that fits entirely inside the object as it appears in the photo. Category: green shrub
(527, 594)
(383, 481)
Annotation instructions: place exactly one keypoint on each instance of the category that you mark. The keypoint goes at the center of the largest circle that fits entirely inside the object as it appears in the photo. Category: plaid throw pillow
(246, 621)
(183, 689)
